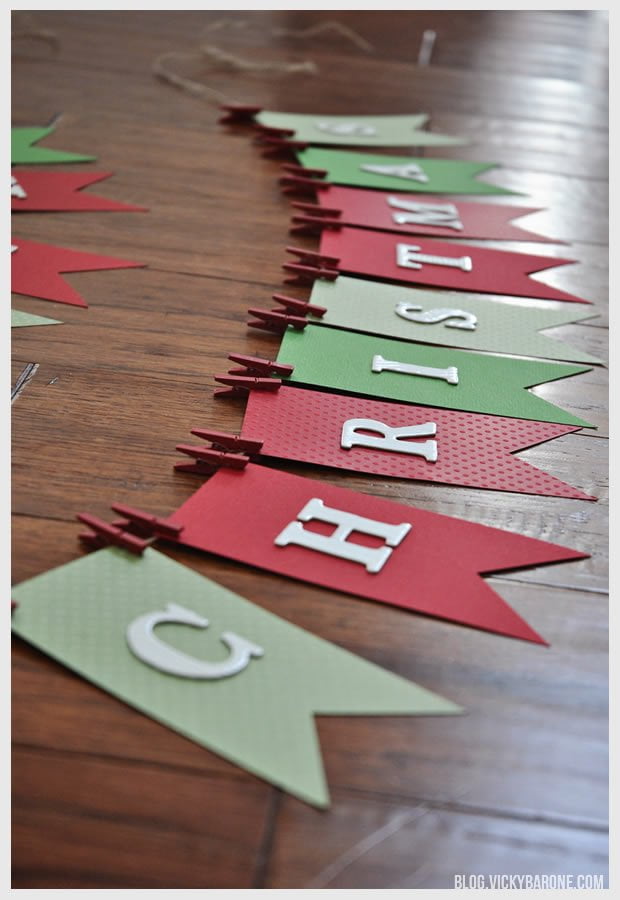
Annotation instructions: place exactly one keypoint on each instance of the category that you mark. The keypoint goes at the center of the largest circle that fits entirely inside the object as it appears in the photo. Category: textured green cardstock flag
(21, 319)
(251, 682)
(459, 379)
(400, 173)
(24, 153)
(365, 131)
(446, 318)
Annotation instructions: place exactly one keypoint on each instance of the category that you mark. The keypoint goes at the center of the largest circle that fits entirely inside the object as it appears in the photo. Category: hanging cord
(223, 59)
(322, 27)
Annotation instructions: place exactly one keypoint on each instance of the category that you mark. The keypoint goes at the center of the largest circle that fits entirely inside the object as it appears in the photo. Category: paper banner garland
(365, 131)
(24, 152)
(36, 270)
(443, 318)
(418, 373)
(459, 266)
(402, 556)
(400, 440)
(40, 191)
(395, 173)
(21, 319)
(404, 397)
(150, 631)
(433, 216)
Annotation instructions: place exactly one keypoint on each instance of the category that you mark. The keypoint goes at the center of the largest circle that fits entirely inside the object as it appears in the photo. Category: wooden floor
(104, 797)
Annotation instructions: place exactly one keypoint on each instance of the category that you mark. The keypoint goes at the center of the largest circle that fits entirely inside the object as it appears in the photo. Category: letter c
(144, 644)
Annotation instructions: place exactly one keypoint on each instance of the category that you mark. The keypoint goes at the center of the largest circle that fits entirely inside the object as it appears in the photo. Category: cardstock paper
(343, 361)
(261, 718)
(21, 319)
(434, 569)
(460, 267)
(365, 131)
(419, 174)
(36, 270)
(36, 190)
(23, 151)
(471, 449)
(501, 327)
(435, 216)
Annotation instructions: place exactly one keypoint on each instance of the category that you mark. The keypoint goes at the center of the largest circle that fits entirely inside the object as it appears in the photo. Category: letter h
(337, 543)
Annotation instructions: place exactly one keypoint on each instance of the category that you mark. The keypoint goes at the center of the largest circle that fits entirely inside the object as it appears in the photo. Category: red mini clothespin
(296, 185)
(146, 524)
(315, 209)
(238, 113)
(214, 458)
(276, 146)
(239, 385)
(195, 468)
(311, 257)
(308, 274)
(304, 171)
(272, 320)
(259, 365)
(270, 131)
(313, 224)
(210, 458)
(103, 533)
(302, 305)
(228, 441)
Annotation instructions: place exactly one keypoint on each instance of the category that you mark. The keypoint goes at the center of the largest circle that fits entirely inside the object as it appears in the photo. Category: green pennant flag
(400, 173)
(24, 153)
(453, 379)
(21, 319)
(207, 663)
(447, 318)
(364, 131)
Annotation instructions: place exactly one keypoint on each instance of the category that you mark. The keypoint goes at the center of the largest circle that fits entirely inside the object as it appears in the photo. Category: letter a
(347, 128)
(337, 544)
(17, 190)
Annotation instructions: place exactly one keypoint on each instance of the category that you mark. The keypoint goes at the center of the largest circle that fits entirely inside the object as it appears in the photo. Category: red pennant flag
(459, 267)
(362, 545)
(434, 216)
(443, 446)
(36, 268)
(41, 191)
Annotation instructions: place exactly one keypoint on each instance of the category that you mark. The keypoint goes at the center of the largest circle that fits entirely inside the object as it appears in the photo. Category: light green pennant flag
(208, 663)
(418, 373)
(447, 318)
(24, 153)
(365, 131)
(21, 319)
(400, 173)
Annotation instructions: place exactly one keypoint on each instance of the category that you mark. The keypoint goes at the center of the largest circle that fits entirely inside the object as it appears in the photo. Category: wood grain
(375, 844)
(102, 795)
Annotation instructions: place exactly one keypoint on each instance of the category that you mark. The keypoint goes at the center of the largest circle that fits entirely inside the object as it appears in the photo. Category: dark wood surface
(105, 797)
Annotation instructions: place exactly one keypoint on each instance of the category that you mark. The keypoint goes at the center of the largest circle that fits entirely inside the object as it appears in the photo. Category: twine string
(219, 58)
(321, 28)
